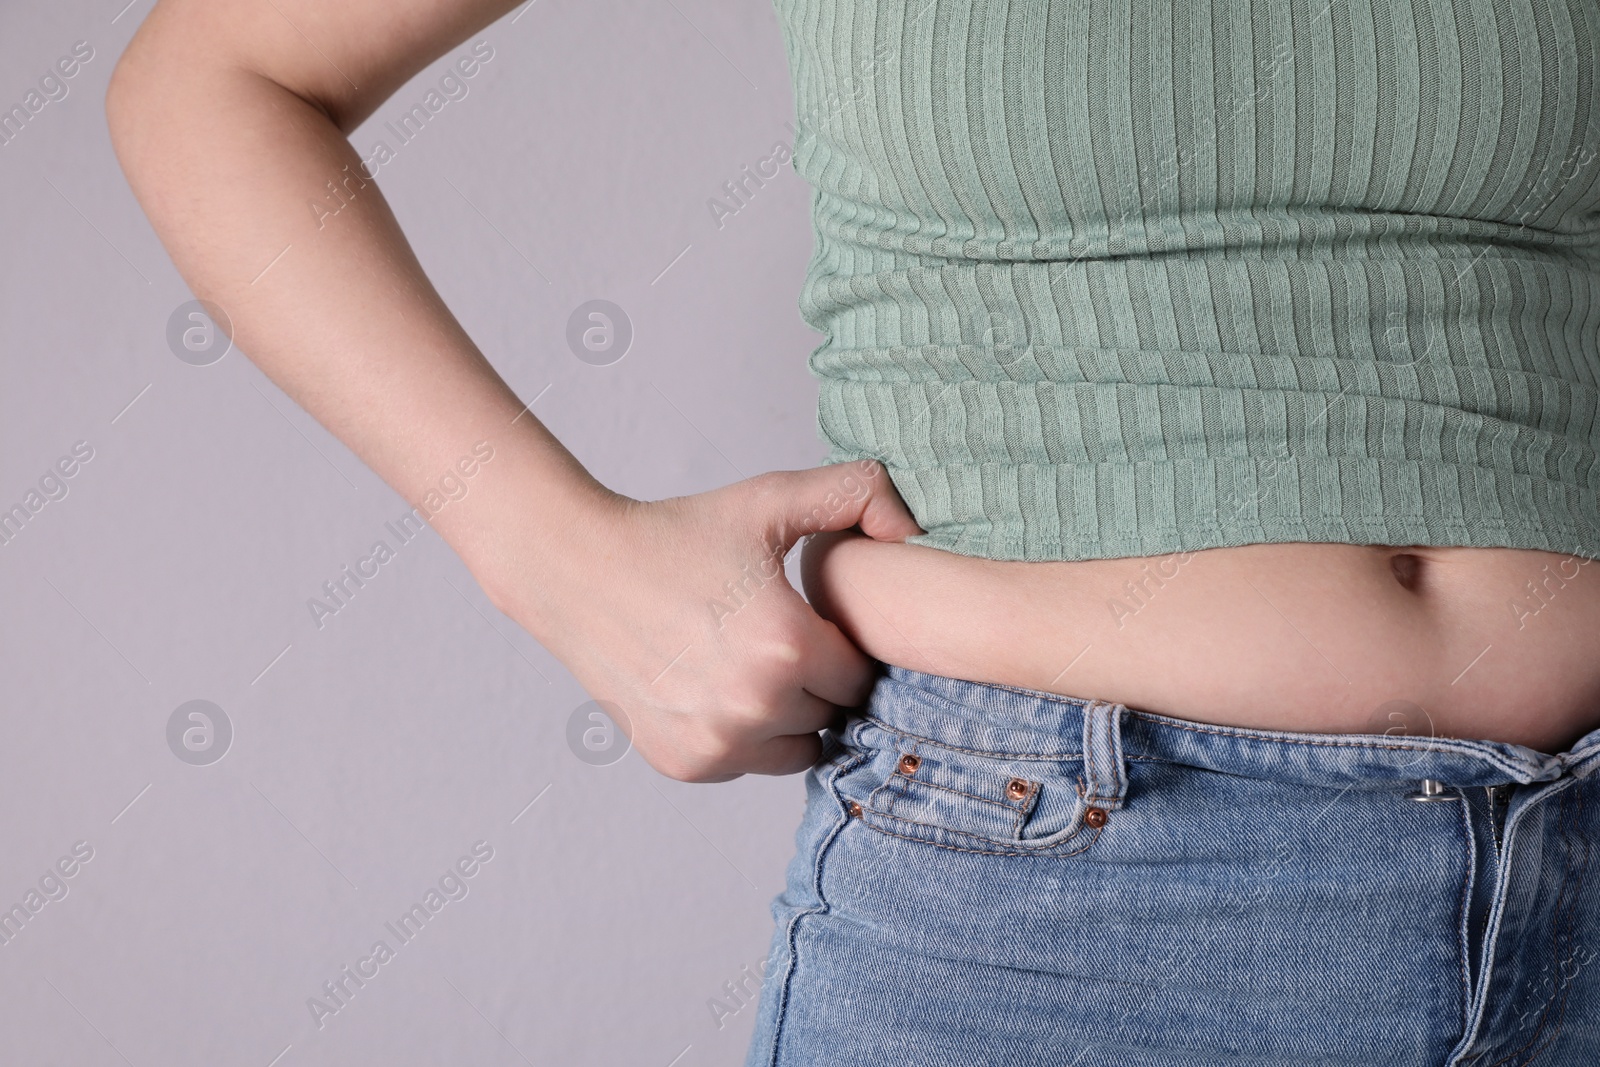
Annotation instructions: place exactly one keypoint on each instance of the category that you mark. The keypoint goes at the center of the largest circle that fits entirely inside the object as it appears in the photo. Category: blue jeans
(989, 875)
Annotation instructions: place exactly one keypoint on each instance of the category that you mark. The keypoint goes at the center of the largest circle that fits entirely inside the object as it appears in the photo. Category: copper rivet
(1095, 817)
(1016, 789)
(855, 809)
(910, 763)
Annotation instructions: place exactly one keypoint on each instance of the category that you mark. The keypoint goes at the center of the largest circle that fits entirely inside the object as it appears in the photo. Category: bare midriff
(1489, 643)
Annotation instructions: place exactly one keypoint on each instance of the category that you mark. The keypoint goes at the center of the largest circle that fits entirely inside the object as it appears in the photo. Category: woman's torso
(1277, 280)
(1497, 644)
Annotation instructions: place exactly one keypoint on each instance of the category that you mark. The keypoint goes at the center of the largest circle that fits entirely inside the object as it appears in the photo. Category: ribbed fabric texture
(1107, 278)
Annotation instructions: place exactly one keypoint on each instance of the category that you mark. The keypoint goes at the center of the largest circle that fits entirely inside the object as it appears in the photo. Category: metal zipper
(1497, 793)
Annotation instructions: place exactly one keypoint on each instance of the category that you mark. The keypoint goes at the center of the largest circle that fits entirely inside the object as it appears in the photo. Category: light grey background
(370, 754)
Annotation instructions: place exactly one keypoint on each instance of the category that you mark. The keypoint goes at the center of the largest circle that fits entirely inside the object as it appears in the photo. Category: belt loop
(1105, 771)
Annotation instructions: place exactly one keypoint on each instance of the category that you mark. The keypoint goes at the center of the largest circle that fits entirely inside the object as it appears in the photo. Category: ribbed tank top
(1106, 278)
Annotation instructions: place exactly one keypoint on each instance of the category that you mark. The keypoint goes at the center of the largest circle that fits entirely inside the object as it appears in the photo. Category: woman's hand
(678, 612)
(227, 125)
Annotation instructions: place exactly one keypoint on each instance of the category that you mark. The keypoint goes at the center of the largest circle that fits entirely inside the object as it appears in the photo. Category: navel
(1407, 569)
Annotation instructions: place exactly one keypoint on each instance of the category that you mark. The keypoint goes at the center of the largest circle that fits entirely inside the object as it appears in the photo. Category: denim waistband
(1023, 724)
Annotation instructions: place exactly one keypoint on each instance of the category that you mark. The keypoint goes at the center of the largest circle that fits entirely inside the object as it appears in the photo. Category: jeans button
(1432, 790)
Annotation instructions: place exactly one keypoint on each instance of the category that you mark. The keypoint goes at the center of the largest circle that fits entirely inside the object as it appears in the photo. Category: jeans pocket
(1000, 803)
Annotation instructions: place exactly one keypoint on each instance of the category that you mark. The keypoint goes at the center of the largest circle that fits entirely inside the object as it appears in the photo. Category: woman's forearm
(334, 308)
(675, 612)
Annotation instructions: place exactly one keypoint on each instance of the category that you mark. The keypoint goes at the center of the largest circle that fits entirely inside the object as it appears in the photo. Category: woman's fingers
(784, 754)
(837, 497)
(833, 668)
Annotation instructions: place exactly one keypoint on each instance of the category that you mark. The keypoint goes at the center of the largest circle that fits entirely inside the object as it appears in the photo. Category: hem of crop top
(1369, 515)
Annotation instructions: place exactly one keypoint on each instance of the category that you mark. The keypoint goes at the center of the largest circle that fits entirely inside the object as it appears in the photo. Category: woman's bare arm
(229, 117)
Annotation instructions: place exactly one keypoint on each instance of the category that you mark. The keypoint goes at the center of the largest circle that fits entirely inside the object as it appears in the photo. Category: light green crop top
(1108, 278)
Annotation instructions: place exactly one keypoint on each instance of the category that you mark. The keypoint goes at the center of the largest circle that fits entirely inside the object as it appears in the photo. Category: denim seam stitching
(1555, 917)
(1437, 745)
(1021, 850)
(781, 1011)
(1581, 803)
(976, 851)
(1031, 756)
(1583, 870)
(1587, 764)
(1017, 812)
(1046, 757)
(962, 792)
(1494, 922)
(1496, 918)
(1056, 698)
(872, 797)
(1096, 741)
(1463, 911)
(892, 797)
(1555, 937)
